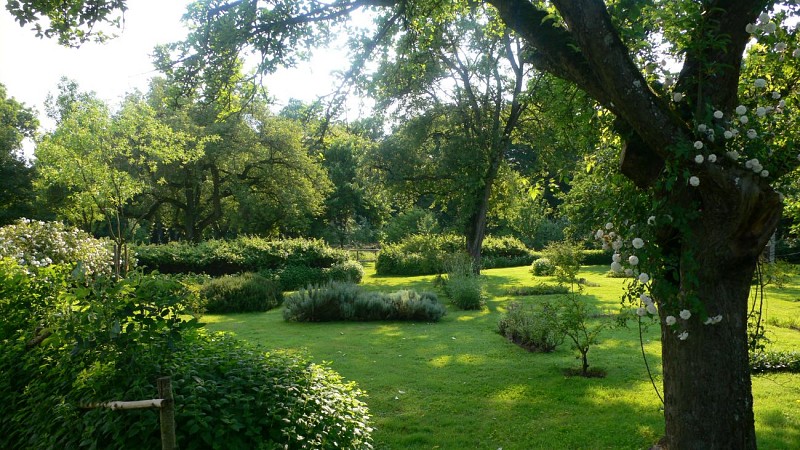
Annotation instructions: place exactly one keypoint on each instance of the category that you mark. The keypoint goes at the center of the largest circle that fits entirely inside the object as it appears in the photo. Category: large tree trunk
(476, 225)
(707, 389)
(707, 393)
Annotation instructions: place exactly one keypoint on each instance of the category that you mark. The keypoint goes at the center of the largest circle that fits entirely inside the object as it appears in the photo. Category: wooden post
(167, 414)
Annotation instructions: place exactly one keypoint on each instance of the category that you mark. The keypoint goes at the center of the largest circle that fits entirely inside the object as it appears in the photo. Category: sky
(30, 67)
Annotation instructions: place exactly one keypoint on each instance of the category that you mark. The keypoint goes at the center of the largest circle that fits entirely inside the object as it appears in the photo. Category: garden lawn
(457, 384)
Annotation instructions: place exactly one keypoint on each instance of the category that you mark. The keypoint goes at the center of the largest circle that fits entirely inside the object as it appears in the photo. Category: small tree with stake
(574, 317)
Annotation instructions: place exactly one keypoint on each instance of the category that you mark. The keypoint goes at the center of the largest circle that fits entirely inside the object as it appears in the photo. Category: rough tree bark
(708, 398)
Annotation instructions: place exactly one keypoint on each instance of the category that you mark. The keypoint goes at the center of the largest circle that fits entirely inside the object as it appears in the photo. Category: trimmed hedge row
(426, 254)
(346, 301)
(244, 254)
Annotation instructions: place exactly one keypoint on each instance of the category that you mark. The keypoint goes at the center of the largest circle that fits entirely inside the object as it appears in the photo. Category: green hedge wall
(425, 254)
(244, 254)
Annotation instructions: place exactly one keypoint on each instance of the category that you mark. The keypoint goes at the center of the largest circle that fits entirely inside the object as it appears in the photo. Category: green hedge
(248, 292)
(346, 301)
(426, 254)
(244, 254)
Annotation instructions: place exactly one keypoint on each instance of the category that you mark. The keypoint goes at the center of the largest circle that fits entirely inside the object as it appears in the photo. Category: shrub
(539, 289)
(34, 243)
(346, 301)
(235, 397)
(533, 327)
(462, 285)
(228, 394)
(567, 257)
(596, 257)
(348, 271)
(542, 267)
(504, 247)
(294, 277)
(248, 292)
(244, 254)
(769, 361)
(426, 254)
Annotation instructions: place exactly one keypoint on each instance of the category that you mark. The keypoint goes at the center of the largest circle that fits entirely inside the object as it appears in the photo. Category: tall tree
(465, 70)
(255, 175)
(90, 154)
(17, 122)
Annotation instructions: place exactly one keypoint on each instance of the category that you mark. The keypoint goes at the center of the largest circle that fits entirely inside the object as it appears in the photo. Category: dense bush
(542, 267)
(348, 271)
(768, 361)
(539, 289)
(504, 246)
(34, 243)
(244, 254)
(463, 285)
(596, 257)
(567, 257)
(294, 277)
(346, 301)
(117, 339)
(426, 254)
(248, 292)
(534, 327)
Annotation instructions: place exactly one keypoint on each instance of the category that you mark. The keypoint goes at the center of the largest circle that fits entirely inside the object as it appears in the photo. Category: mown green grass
(457, 384)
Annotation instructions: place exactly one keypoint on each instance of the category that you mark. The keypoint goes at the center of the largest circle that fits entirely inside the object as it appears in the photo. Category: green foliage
(543, 267)
(575, 322)
(244, 254)
(425, 254)
(73, 23)
(248, 292)
(775, 361)
(349, 271)
(232, 396)
(34, 244)
(346, 301)
(60, 327)
(567, 257)
(294, 277)
(534, 327)
(539, 289)
(65, 343)
(17, 122)
(595, 257)
(462, 284)
(504, 251)
(408, 223)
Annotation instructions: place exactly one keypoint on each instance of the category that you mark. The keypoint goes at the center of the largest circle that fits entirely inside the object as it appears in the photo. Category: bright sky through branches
(31, 67)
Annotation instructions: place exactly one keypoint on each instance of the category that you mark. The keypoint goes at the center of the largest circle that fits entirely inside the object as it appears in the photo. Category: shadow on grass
(458, 384)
